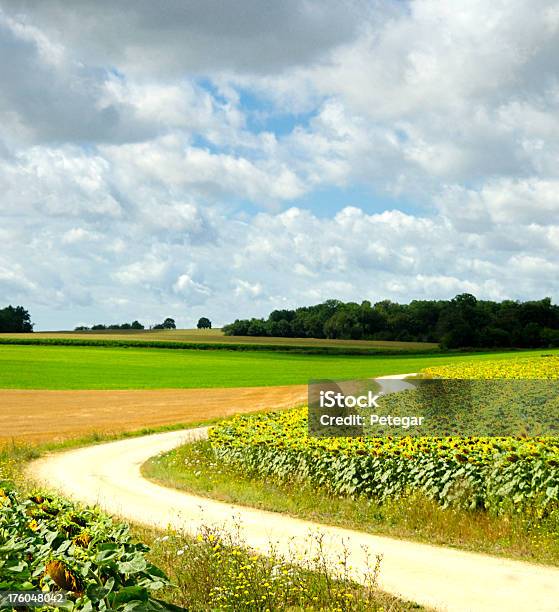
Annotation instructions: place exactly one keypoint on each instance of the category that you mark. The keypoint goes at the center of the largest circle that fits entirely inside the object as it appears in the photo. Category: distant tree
(169, 323)
(496, 337)
(279, 329)
(15, 319)
(550, 337)
(158, 326)
(204, 323)
(238, 328)
(284, 328)
(281, 315)
(100, 326)
(532, 335)
(257, 327)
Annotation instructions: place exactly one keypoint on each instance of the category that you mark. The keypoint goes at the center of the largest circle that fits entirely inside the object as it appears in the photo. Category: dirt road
(446, 579)
(30, 415)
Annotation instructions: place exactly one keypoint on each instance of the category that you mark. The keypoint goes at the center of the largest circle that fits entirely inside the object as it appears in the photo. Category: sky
(224, 159)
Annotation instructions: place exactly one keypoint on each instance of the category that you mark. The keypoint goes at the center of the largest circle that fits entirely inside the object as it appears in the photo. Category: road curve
(443, 578)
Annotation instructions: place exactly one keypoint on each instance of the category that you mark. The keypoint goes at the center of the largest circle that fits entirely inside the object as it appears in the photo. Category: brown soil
(33, 416)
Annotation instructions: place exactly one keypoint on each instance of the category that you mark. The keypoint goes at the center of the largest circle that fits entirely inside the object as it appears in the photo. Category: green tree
(257, 327)
(238, 328)
(204, 323)
(15, 319)
(463, 321)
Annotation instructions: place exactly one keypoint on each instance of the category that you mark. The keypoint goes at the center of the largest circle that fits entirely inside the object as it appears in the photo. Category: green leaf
(130, 594)
(135, 565)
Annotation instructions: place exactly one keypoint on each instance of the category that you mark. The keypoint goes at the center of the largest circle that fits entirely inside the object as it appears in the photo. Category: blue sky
(224, 159)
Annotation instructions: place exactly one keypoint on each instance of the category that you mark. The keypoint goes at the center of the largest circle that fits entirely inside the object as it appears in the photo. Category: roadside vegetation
(216, 570)
(413, 516)
(51, 544)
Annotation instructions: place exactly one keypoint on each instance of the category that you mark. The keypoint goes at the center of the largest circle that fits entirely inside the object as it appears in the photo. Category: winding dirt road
(446, 579)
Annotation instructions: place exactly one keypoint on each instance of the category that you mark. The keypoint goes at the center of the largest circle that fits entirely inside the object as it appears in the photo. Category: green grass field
(216, 336)
(62, 367)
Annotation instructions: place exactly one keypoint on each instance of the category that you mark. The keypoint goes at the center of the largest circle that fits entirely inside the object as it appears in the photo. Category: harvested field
(38, 415)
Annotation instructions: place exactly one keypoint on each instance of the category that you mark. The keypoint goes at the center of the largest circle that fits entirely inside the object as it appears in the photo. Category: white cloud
(13, 280)
(187, 287)
(171, 164)
(504, 201)
(78, 235)
(244, 288)
(149, 270)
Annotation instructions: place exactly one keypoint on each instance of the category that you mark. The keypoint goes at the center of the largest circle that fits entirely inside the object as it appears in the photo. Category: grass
(217, 571)
(69, 367)
(217, 336)
(194, 468)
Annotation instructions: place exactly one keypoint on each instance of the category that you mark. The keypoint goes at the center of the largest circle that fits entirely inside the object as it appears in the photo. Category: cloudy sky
(208, 157)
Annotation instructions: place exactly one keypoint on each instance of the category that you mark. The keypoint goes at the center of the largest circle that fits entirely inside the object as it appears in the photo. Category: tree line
(463, 321)
(101, 326)
(15, 319)
(168, 323)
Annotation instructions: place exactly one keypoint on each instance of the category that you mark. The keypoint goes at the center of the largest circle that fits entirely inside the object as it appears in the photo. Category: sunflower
(63, 576)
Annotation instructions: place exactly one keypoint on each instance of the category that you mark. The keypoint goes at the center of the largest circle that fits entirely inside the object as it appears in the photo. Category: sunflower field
(545, 367)
(499, 474)
(50, 545)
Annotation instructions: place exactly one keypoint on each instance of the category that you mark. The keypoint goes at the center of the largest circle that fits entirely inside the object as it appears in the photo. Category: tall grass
(216, 570)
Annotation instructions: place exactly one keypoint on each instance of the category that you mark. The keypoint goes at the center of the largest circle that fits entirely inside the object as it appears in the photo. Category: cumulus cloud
(172, 165)
(193, 291)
